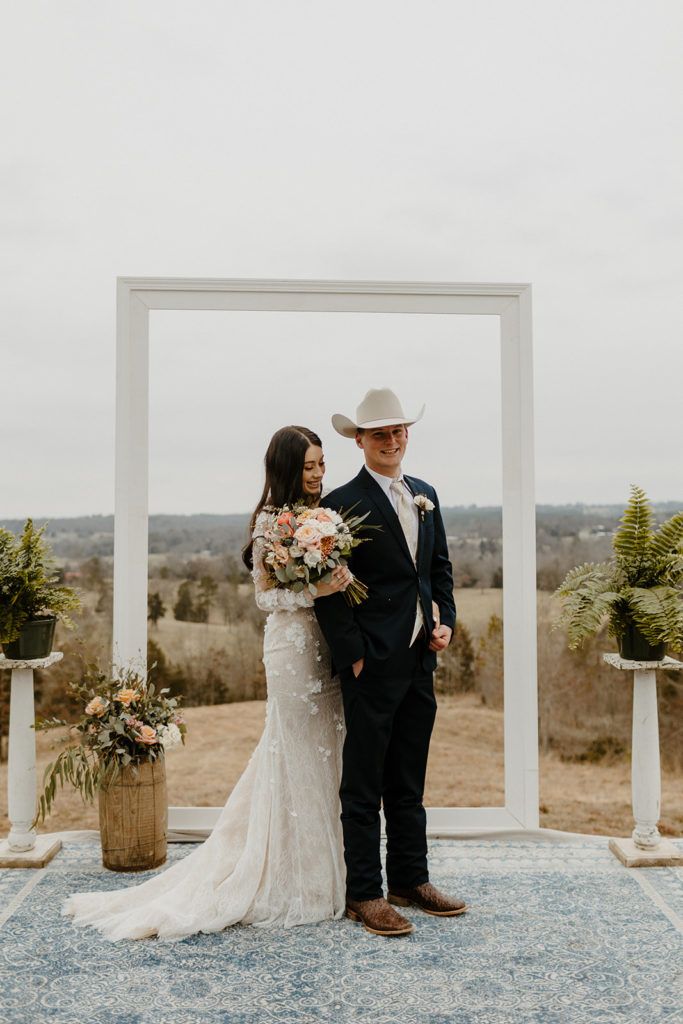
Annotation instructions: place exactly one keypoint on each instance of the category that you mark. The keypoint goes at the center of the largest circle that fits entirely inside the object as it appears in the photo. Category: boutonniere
(424, 504)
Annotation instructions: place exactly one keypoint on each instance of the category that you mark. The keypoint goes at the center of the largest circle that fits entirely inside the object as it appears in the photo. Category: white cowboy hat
(379, 408)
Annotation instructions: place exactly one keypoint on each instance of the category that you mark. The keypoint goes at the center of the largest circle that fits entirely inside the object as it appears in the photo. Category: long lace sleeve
(269, 598)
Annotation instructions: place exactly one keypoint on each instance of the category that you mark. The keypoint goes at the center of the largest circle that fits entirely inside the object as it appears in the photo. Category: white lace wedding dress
(275, 855)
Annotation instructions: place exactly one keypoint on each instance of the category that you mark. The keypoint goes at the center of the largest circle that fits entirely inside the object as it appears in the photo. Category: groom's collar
(383, 481)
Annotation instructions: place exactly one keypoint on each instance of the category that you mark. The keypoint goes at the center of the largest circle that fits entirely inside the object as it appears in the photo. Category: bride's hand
(341, 577)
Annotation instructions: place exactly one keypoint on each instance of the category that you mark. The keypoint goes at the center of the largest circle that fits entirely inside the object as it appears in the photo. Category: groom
(385, 653)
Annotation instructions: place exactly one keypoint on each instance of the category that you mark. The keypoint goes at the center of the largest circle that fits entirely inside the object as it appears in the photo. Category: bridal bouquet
(304, 545)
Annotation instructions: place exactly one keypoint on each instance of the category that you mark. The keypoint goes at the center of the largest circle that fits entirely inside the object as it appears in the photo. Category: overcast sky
(436, 141)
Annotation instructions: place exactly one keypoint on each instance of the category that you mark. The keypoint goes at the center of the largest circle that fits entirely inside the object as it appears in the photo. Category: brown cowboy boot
(427, 898)
(378, 917)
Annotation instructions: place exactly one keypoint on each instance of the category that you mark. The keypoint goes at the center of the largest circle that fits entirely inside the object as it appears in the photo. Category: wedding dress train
(275, 855)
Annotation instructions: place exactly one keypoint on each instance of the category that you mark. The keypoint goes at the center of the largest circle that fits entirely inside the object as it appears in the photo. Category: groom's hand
(441, 637)
(357, 667)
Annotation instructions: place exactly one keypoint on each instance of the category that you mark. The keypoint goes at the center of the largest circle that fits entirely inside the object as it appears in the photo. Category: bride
(275, 855)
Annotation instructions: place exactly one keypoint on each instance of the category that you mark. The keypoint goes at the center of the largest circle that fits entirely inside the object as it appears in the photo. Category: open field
(465, 769)
(585, 716)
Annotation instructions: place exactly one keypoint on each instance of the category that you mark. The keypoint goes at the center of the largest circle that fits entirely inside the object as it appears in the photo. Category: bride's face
(314, 471)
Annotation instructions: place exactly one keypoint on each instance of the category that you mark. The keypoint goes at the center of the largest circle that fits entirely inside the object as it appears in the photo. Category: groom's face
(383, 448)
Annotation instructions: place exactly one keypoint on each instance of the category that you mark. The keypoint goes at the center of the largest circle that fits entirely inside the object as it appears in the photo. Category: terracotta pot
(34, 641)
(134, 818)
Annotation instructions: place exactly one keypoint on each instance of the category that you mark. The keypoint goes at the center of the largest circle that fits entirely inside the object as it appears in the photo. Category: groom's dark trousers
(390, 707)
(389, 718)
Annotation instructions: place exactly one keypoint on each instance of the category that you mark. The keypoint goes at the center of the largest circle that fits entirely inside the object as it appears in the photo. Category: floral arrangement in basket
(303, 545)
(124, 722)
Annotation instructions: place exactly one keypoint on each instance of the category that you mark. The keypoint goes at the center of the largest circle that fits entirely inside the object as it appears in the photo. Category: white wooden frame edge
(137, 296)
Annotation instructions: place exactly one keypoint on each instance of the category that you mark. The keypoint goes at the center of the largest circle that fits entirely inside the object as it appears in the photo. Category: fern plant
(641, 585)
(28, 584)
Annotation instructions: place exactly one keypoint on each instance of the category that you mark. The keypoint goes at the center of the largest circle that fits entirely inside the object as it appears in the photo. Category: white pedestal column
(21, 792)
(646, 787)
(646, 846)
(23, 847)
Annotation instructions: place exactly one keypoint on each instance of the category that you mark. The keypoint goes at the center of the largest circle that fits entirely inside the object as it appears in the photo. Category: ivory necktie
(407, 519)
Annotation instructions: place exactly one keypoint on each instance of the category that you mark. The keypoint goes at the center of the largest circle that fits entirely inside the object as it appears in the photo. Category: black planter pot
(35, 639)
(633, 646)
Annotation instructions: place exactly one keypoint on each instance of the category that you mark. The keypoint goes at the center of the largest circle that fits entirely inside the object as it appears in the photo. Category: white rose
(313, 557)
(170, 735)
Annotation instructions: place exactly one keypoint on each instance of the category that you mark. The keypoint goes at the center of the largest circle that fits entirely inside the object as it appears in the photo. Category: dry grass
(465, 769)
(476, 606)
(179, 639)
(190, 639)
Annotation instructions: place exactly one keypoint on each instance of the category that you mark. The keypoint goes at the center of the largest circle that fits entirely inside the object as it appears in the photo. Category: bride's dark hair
(284, 462)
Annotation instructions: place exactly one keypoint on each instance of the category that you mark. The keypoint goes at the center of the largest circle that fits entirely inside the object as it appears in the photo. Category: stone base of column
(42, 853)
(664, 855)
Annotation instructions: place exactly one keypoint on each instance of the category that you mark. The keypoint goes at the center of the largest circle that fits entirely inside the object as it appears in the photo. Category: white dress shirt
(385, 483)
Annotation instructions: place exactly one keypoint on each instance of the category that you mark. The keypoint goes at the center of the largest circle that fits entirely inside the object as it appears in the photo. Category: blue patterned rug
(557, 932)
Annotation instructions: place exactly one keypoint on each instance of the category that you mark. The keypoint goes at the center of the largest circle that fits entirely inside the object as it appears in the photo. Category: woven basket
(134, 818)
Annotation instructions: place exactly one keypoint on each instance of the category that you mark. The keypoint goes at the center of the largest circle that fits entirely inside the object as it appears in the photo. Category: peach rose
(126, 696)
(308, 536)
(147, 734)
(281, 553)
(97, 706)
(285, 523)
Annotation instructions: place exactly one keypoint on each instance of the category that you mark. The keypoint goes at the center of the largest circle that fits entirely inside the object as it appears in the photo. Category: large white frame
(511, 303)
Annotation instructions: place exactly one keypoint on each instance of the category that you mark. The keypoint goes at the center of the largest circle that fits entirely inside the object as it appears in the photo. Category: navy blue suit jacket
(384, 622)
